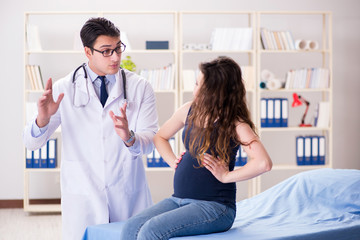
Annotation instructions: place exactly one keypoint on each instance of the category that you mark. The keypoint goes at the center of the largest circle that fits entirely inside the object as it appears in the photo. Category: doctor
(105, 131)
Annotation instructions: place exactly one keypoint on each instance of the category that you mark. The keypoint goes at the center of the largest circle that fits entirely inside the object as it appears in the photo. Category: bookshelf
(317, 27)
(189, 34)
(57, 58)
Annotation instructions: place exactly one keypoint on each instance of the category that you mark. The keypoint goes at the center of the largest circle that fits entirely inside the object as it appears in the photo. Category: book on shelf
(322, 117)
(314, 78)
(33, 38)
(276, 40)
(231, 39)
(160, 78)
(35, 77)
(31, 77)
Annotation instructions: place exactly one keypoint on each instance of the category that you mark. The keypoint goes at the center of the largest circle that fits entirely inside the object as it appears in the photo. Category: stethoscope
(87, 87)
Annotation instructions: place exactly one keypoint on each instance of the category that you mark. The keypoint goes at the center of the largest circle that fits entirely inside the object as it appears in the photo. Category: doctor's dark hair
(220, 104)
(96, 27)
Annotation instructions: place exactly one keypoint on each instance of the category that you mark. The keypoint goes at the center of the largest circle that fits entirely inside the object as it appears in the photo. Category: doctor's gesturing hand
(46, 105)
(121, 125)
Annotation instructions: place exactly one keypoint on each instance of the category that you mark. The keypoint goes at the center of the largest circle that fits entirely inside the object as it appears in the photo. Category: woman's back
(193, 181)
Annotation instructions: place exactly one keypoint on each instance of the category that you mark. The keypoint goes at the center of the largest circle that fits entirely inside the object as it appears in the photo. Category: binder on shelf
(315, 150)
(36, 159)
(307, 150)
(243, 156)
(29, 158)
(150, 159)
(237, 158)
(270, 112)
(157, 158)
(300, 150)
(44, 156)
(172, 144)
(164, 163)
(322, 151)
(284, 112)
(277, 112)
(52, 153)
(263, 112)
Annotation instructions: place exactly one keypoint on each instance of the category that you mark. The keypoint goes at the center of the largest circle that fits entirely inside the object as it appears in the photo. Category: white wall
(346, 40)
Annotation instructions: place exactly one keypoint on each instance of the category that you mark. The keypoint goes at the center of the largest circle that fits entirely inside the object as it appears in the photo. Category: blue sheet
(316, 204)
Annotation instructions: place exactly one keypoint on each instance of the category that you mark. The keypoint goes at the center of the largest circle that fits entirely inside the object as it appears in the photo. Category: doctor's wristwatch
(132, 136)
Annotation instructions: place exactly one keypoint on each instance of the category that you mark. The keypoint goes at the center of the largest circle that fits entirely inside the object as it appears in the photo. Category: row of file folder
(45, 157)
(310, 150)
(274, 112)
(155, 160)
(241, 157)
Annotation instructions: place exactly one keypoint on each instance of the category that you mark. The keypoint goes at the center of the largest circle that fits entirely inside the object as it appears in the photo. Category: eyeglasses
(109, 52)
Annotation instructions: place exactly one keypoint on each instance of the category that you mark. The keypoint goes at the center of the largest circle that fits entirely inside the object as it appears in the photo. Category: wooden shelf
(29, 170)
(159, 169)
(292, 129)
(42, 208)
(298, 167)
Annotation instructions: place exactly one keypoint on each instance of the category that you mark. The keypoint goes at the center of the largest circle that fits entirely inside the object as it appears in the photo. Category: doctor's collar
(93, 75)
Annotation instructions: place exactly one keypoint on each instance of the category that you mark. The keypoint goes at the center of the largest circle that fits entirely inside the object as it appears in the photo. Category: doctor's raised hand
(46, 105)
(121, 126)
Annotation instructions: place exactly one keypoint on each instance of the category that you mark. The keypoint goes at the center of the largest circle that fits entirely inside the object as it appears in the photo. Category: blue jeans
(175, 217)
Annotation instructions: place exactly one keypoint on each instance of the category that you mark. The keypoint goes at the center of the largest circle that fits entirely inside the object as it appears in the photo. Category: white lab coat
(101, 179)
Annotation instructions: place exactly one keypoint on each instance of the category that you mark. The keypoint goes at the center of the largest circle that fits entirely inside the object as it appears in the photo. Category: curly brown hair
(218, 106)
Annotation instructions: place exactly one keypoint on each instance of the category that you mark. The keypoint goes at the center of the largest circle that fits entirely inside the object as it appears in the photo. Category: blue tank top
(192, 181)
